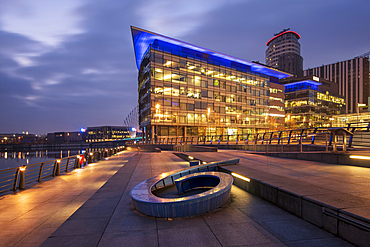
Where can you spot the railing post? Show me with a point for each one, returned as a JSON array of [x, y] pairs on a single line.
[[67, 164], [282, 145], [300, 140], [335, 142], [22, 177], [290, 135], [279, 137], [40, 172], [344, 141], [16, 179], [326, 142], [271, 137], [267, 146], [255, 144]]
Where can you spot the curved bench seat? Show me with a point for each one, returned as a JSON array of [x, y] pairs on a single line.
[[148, 203]]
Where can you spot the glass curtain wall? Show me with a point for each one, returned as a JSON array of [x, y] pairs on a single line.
[[184, 97]]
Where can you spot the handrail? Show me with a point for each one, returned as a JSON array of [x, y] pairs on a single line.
[[279, 135], [17, 177]]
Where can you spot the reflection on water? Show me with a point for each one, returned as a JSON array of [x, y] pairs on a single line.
[[15, 159]]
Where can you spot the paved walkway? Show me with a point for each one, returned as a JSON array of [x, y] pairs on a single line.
[[341, 186], [93, 208], [30, 216], [108, 219]]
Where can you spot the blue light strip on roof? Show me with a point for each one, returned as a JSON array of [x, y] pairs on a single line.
[[305, 81], [142, 39]]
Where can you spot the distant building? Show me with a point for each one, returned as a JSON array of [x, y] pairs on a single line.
[[108, 133], [311, 101], [26, 138], [65, 137], [352, 78], [284, 52], [276, 105]]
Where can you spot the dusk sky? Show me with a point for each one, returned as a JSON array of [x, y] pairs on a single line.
[[67, 64]]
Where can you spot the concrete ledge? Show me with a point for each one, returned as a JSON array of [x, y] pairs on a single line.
[[331, 158], [353, 228], [269, 192], [289, 201]]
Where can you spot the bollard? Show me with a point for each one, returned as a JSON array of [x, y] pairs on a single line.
[[57, 169], [77, 162], [22, 177]]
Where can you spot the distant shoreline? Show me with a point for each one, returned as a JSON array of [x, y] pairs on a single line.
[[59, 146]]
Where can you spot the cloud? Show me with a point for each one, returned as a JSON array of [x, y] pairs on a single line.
[[89, 77]]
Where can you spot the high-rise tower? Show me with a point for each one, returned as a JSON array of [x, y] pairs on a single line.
[[284, 52]]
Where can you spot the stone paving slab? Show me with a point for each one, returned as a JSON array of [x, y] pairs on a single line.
[[240, 223], [29, 217], [77, 211]]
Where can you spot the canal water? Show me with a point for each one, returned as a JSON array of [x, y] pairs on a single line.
[[16, 159]]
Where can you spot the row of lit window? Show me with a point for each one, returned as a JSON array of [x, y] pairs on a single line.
[[193, 66], [192, 118], [179, 77], [328, 97], [197, 93]]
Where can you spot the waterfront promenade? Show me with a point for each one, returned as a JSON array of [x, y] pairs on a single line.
[[93, 207]]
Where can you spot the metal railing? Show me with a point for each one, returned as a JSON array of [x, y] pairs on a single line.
[[316, 135], [12, 179]]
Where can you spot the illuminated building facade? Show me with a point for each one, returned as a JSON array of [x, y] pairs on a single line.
[[276, 116], [352, 78], [186, 90], [107, 133], [284, 52], [311, 102]]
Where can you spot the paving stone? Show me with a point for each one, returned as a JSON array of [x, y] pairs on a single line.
[[145, 238], [72, 241], [189, 236], [242, 234], [82, 226]]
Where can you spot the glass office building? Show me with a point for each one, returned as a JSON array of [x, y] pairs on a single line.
[[186, 91], [311, 101]]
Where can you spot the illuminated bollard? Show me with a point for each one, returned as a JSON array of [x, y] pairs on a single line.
[[22, 177], [57, 168]]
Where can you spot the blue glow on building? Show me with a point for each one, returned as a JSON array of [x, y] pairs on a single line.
[[143, 39], [302, 85]]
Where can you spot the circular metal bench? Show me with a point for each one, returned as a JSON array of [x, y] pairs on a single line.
[[149, 204]]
